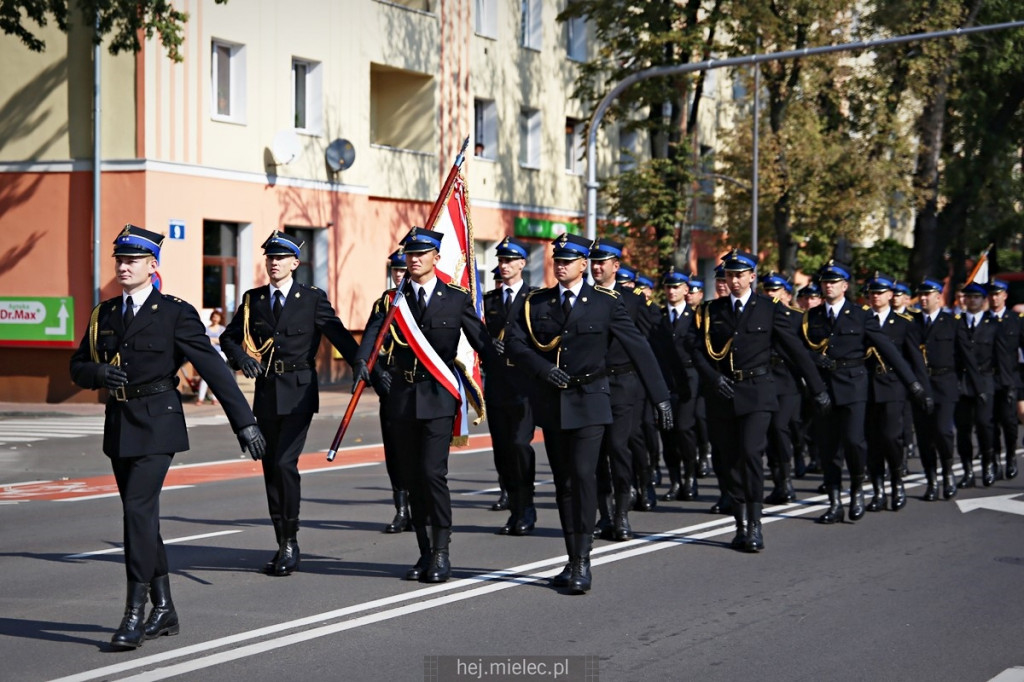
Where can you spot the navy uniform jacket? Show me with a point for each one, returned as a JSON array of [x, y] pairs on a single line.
[[848, 341], [763, 325], [1010, 329], [786, 381], [306, 315], [942, 345], [639, 311], [982, 347], [164, 334], [579, 345], [449, 313], [885, 385], [674, 355], [504, 383]]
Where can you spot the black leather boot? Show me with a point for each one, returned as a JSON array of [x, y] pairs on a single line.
[[704, 462], [783, 492], [722, 506], [834, 513], [502, 503], [675, 477], [603, 527], [740, 539], [647, 499], [278, 522], [402, 520], [689, 491], [856, 498], [163, 619], [621, 530], [799, 465], [1011, 466], [132, 631], [562, 579], [440, 568], [526, 521], [931, 491], [948, 486], [513, 517], [967, 480], [423, 541], [899, 493], [288, 562], [877, 502], [580, 578], [754, 540], [988, 469]]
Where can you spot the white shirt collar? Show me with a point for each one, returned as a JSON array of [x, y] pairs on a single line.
[[680, 308], [836, 307], [998, 315], [428, 288], [284, 289], [575, 291], [514, 288], [742, 299], [138, 298], [882, 315]]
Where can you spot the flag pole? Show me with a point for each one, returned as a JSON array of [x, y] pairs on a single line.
[[393, 309], [981, 261]]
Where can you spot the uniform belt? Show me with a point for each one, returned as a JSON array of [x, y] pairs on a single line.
[[939, 371], [123, 393], [744, 374], [882, 369], [777, 361], [280, 366], [853, 362], [584, 379], [412, 376], [627, 368]]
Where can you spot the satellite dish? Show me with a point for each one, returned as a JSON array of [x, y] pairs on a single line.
[[285, 148], [340, 154]]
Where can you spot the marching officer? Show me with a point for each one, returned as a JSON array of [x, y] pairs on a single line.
[[887, 396], [419, 409], [671, 339], [133, 347], [615, 465], [694, 299], [840, 334], [1007, 378], [784, 428], [506, 389], [274, 338], [724, 503], [983, 348], [562, 338], [806, 448], [732, 343]]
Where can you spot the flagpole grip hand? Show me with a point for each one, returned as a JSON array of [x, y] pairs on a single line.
[[360, 373]]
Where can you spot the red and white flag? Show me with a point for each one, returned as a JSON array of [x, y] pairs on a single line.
[[980, 272]]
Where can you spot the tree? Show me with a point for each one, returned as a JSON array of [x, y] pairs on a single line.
[[123, 21]]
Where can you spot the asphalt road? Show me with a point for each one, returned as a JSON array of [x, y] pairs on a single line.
[[932, 592]]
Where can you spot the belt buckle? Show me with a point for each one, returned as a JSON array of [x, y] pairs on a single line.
[[278, 367], [409, 376], [119, 394], [737, 374]]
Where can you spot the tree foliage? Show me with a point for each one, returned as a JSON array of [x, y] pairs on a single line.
[[121, 21]]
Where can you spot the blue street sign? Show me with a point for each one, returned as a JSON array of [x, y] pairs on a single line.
[[176, 229]]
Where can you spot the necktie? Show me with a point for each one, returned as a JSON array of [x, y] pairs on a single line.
[[878, 319], [567, 303], [278, 305], [421, 299], [673, 316], [970, 323], [129, 311], [508, 300], [927, 321], [831, 316], [739, 307]]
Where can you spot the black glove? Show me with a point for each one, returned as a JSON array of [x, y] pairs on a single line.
[[1011, 396], [983, 398], [360, 373], [558, 377], [251, 439], [921, 397], [499, 346], [725, 387], [824, 361], [250, 367], [382, 382], [112, 377], [663, 415], [823, 403]]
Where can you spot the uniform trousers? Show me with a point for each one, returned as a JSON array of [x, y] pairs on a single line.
[[573, 455], [841, 432], [681, 441], [512, 428], [421, 450], [615, 468], [390, 458], [781, 433], [885, 437], [286, 437], [973, 415], [935, 434], [1006, 424], [741, 440], [139, 480]]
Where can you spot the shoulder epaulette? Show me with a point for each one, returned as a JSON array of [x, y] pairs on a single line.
[[865, 307], [456, 286], [907, 317], [168, 297], [956, 316], [638, 292], [1020, 315], [606, 290]]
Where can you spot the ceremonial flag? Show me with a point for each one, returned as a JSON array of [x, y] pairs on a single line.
[[980, 272]]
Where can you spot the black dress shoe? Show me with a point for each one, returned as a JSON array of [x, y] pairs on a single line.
[[603, 529], [754, 541], [163, 619], [931, 493], [988, 475], [834, 513], [580, 579], [779, 495], [502, 503], [562, 579], [132, 631], [856, 503], [688, 493], [673, 492], [899, 496], [948, 487], [1011, 467], [509, 525], [288, 562], [967, 480], [417, 570], [722, 506], [652, 497], [525, 524], [877, 502], [822, 488], [703, 467]]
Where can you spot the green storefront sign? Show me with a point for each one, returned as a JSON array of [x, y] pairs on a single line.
[[543, 229], [37, 321]]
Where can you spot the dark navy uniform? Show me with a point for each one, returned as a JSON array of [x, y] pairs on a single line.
[[509, 415], [420, 411], [144, 424], [1007, 381], [563, 342], [733, 355], [287, 393]]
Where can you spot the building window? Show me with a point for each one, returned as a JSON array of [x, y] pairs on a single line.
[[574, 145], [418, 5], [627, 149], [532, 28], [228, 81], [577, 39], [485, 18], [485, 129], [529, 138], [220, 265], [403, 110], [306, 96]]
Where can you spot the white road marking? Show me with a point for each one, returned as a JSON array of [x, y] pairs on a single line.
[[494, 490], [173, 541], [1015, 674], [102, 495]]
